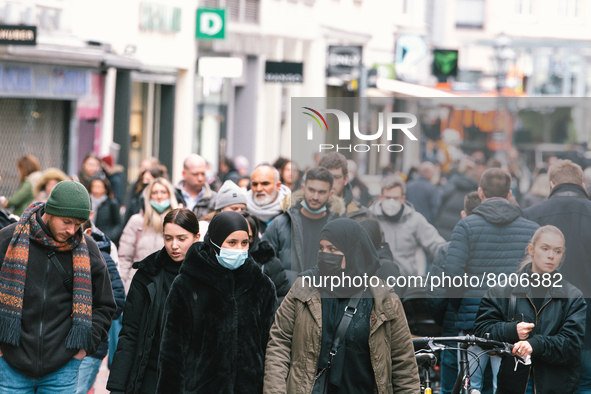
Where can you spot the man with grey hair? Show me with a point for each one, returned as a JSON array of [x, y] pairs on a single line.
[[267, 193], [405, 230], [423, 194], [196, 193]]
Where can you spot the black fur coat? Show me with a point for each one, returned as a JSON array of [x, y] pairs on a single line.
[[216, 327]]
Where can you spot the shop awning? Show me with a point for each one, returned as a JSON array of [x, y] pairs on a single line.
[[400, 88]]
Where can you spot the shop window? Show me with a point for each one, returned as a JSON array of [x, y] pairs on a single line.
[[470, 14], [523, 7], [568, 8], [245, 11]]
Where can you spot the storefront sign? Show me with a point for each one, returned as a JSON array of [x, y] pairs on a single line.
[[43, 81], [343, 59], [445, 62], [18, 35], [286, 72], [211, 24], [410, 48], [220, 67], [160, 17]]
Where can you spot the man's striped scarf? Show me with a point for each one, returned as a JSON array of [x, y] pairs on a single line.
[[13, 277]]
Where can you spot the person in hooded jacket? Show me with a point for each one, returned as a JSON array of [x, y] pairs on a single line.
[[135, 363], [217, 316], [542, 320], [376, 354], [264, 255], [490, 241]]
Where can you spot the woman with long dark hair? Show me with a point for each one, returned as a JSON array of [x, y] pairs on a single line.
[[135, 364], [106, 208], [217, 316], [376, 352]]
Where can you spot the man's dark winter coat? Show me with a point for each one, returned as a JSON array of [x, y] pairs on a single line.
[[143, 312], [203, 206], [569, 209], [425, 198], [216, 327], [264, 256], [437, 299], [104, 245], [556, 339], [452, 203], [47, 307], [279, 233], [490, 241]]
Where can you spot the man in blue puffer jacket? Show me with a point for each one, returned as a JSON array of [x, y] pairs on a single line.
[[91, 364], [491, 241]]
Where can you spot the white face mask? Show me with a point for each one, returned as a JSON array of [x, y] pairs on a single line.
[[391, 207]]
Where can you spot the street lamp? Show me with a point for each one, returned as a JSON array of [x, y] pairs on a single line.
[[504, 56], [503, 60]]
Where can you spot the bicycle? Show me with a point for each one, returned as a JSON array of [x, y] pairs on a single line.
[[426, 349]]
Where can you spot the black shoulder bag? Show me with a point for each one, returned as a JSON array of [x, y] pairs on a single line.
[[321, 382]]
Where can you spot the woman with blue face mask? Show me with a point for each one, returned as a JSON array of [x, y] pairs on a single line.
[[142, 234], [217, 316]]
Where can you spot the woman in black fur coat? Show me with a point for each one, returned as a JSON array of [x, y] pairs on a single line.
[[135, 363], [217, 316]]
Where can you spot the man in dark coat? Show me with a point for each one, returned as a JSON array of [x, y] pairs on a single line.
[[490, 241], [568, 208], [56, 300], [311, 208], [423, 194], [440, 307], [452, 198], [337, 164], [194, 190]]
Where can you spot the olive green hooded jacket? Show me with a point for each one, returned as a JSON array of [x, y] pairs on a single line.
[[295, 340]]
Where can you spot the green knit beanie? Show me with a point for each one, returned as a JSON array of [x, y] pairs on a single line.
[[69, 199]]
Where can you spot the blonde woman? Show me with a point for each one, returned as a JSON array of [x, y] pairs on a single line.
[[142, 234], [539, 191], [543, 316]]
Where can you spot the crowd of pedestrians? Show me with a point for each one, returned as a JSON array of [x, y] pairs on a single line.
[[201, 287]]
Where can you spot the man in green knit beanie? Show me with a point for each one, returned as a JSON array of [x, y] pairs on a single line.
[[56, 299]]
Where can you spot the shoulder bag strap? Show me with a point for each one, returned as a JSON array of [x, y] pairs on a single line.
[[65, 277], [512, 306], [350, 311]]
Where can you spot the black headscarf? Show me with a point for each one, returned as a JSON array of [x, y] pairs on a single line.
[[361, 256], [222, 225], [350, 238]]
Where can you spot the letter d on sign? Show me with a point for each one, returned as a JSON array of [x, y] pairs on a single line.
[[210, 23]]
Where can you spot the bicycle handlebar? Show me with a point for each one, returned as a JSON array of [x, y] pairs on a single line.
[[429, 343]]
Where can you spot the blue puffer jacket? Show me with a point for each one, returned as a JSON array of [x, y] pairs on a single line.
[[491, 240], [104, 244]]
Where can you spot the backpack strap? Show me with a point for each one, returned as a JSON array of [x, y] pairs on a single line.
[[65, 277]]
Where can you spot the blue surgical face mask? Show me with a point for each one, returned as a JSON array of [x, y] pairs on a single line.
[[313, 211], [232, 258], [160, 206]]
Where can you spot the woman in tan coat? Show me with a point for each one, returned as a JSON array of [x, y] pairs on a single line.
[[376, 355], [142, 234]]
